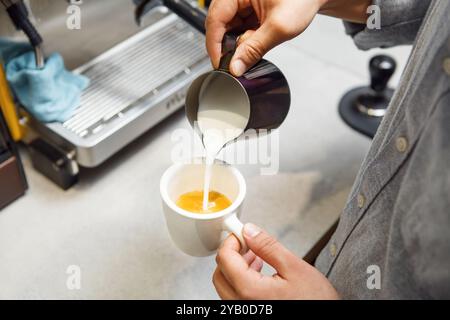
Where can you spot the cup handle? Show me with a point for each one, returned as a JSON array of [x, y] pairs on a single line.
[[235, 226]]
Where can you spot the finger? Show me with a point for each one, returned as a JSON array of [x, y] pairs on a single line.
[[257, 264], [252, 49], [231, 248], [253, 261], [220, 13], [245, 36], [233, 265], [270, 250], [249, 257], [222, 286]]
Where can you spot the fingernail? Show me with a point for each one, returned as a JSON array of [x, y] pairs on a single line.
[[251, 231], [238, 68]]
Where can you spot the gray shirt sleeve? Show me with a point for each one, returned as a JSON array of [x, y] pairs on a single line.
[[400, 22]]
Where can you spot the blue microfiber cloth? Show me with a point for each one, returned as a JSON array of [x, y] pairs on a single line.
[[50, 94]]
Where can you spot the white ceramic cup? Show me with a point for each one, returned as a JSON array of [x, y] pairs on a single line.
[[201, 234]]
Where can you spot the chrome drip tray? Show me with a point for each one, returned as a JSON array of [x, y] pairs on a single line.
[[134, 86]]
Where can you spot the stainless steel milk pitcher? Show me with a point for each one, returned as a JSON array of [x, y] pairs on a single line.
[[264, 90]]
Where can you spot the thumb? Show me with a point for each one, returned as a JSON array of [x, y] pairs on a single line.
[[270, 250], [253, 45]]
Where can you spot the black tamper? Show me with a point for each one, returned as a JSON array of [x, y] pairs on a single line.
[[363, 108]]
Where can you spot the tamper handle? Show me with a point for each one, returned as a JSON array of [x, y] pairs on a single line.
[[381, 69]]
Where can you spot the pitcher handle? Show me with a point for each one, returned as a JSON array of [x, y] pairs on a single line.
[[229, 45]]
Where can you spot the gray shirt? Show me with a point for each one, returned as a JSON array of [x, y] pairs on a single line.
[[393, 238]]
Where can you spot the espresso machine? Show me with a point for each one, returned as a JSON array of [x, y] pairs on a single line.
[[139, 74]]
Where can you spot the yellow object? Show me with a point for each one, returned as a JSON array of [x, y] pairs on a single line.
[[193, 202], [8, 108], [201, 3]]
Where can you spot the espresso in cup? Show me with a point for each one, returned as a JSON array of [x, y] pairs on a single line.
[[194, 231], [193, 202]]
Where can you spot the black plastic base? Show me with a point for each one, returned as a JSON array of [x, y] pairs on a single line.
[[359, 121], [52, 163]]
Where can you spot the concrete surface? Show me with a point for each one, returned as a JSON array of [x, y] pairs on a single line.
[[111, 224]]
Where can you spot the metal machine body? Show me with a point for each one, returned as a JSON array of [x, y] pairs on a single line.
[[139, 75], [135, 85]]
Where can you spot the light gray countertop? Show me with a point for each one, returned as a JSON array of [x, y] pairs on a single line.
[[111, 224]]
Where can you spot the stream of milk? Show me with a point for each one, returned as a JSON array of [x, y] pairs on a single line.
[[223, 115]]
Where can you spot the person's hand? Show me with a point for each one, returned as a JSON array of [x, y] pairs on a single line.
[[264, 24], [239, 276]]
